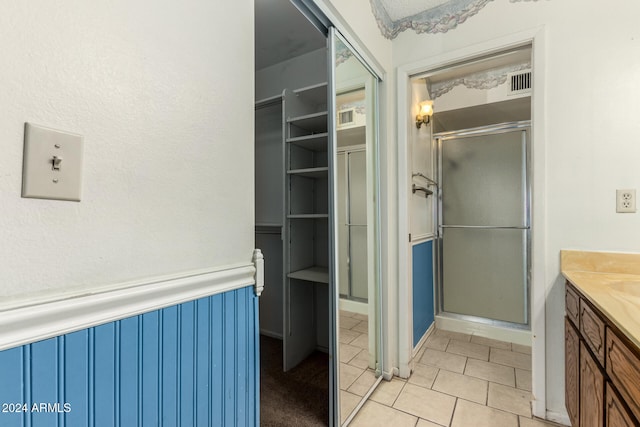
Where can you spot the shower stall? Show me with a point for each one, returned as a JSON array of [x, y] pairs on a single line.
[[352, 220], [484, 224]]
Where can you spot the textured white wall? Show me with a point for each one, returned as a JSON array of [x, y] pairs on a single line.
[[591, 68], [163, 94]]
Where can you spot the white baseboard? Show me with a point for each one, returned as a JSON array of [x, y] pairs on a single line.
[[484, 330], [354, 306], [46, 319]]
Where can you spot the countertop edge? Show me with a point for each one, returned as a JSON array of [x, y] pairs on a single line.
[[593, 299]]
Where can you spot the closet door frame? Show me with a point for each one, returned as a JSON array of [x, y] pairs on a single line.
[[373, 180], [322, 14]]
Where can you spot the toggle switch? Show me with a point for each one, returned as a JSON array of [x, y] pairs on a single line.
[[56, 163], [43, 176]]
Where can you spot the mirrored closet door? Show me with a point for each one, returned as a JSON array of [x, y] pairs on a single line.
[[317, 218], [355, 228]]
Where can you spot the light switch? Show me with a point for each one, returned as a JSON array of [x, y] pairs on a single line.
[[52, 164]]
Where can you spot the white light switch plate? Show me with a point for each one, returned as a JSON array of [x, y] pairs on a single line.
[[40, 178]]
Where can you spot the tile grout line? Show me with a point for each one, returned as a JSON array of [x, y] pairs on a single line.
[[409, 413], [495, 409], [403, 411], [399, 393], [486, 399], [455, 405], [435, 378]]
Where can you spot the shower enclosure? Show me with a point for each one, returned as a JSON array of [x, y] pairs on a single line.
[[484, 224], [352, 220]]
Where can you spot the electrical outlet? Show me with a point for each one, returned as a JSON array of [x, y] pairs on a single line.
[[625, 201]]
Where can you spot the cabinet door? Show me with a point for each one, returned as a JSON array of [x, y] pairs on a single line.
[[623, 368], [591, 390], [616, 415], [572, 372]]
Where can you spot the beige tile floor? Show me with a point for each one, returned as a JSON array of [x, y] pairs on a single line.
[[459, 380], [355, 377]]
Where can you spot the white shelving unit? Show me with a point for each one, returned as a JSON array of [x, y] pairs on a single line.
[[308, 216], [306, 227], [313, 274]]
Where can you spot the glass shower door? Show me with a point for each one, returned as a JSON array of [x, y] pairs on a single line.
[[352, 223], [485, 223]]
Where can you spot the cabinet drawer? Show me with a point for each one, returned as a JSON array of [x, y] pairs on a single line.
[[615, 414], [623, 367], [572, 305], [592, 330]]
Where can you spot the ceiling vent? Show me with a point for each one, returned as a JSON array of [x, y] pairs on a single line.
[[346, 117], [519, 83]]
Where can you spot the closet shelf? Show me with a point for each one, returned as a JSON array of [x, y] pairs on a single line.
[[312, 274], [314, 142], [312, 123], [307, 216], [268, 229], [316, 94], [320, 172], [268, 101]]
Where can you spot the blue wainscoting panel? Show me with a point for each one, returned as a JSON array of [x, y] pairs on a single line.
[[194, 364], [423, 307]]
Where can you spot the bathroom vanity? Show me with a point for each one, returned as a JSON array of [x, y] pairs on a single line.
[[602, 338]]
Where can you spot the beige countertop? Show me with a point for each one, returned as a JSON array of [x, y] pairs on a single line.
[[611, 282]]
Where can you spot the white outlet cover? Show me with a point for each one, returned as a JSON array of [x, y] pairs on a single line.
[[626, 201], [39, 178]]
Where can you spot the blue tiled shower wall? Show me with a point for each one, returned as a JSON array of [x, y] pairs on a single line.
[[423, 307], [193, 364]]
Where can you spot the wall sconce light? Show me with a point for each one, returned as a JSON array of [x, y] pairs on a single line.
[[425, 113]]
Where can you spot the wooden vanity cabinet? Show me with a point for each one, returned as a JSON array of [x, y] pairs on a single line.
[[602, 368], [572, 372]]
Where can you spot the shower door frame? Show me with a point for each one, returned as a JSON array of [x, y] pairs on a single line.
[[347, 151], [506, 127]]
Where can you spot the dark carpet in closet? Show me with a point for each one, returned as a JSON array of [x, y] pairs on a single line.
[[299, 397]]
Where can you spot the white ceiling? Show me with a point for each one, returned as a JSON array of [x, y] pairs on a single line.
[[398, 9], [282, 32]]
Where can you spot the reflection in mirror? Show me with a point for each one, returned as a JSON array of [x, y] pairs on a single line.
[[358, 314]]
